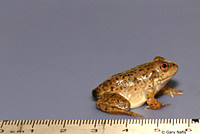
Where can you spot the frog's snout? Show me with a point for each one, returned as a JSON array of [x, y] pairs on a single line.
[[175, 65]]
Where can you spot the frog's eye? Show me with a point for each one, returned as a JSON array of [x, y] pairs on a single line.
[[164, 66]]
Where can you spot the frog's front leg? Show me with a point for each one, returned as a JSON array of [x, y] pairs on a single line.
[[115, 104], [170, 91], [152, 102]]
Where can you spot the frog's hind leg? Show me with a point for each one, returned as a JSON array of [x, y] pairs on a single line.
[[115, 104]]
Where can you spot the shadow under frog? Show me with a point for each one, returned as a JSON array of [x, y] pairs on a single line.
[[136, 86], [173, 83]]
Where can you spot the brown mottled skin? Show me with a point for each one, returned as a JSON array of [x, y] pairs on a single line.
[[133, 87]]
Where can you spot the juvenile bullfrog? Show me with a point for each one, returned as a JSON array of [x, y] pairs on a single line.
[[136, 86]]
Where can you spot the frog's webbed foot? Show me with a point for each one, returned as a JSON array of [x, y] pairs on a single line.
[[170, 91], [156, 106], [154, 103], [115, 104]]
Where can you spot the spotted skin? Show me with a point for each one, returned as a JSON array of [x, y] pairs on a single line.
[[136, 86]]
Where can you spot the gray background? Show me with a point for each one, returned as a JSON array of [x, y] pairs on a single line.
[[53, 53]]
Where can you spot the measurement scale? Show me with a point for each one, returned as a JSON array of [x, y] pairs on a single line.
[[104, 126]]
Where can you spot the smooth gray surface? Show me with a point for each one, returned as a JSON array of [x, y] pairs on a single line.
[[53, 53]]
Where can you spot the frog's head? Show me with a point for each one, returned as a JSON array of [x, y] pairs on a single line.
[[164, 71]]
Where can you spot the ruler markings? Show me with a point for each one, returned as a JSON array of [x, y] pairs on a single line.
[[56, 122], [14, 122], [67, 122], [113, 122], [36, 122], [124, 123], [80, 122], [64, 123], [49, 122], [39, 122], [104, 122], [157, 122], [83, 122], [24, 122], [116, 121], [72, 122], [32, 121], [92, 121], [173, 122], [53, 122], [189, 122], [18, 122], [8, 123], [76, 122], [95, 123], [29, 122], [59, 122], [100, 122], [2, 124]]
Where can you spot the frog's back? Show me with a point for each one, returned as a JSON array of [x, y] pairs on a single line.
[[125, 82]]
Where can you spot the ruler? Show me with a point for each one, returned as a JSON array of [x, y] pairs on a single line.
[[104, 126]]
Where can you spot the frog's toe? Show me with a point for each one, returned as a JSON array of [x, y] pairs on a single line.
[[176, 92], [161, 106], [180, 92], [134, 114], [147, 107], [171, 94], [165, 105]]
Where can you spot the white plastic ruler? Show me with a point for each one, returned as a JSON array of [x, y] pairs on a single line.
[[113, 126]]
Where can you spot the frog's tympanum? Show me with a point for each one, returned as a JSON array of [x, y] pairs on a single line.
[[136, 86]]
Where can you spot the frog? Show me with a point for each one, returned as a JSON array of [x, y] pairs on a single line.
[[136, 86]]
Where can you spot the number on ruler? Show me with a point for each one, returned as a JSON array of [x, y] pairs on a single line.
[[94, 130], [63, 130]]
